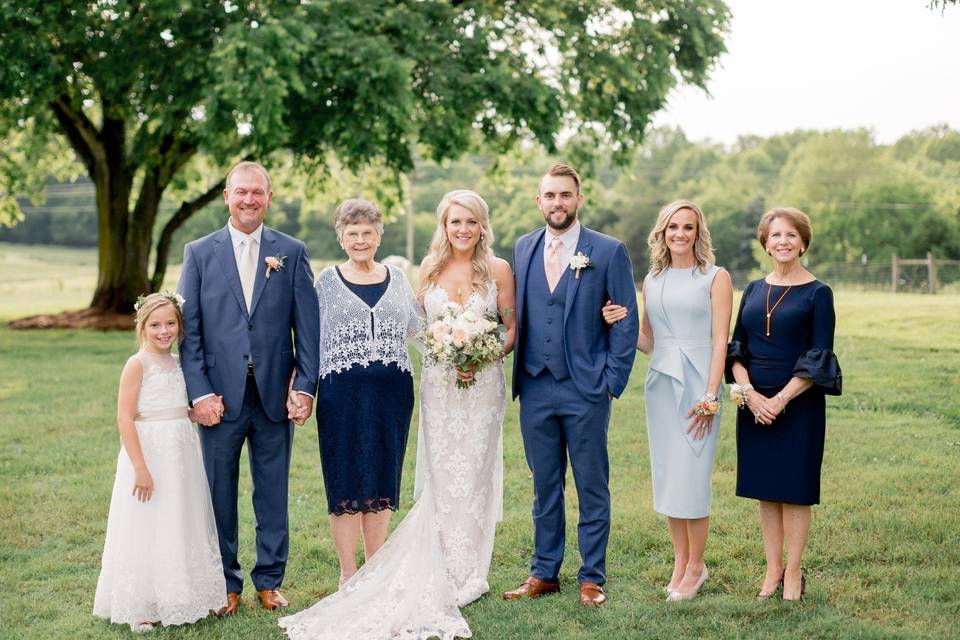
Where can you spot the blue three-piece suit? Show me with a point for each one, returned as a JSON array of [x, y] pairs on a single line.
[[567, 366]]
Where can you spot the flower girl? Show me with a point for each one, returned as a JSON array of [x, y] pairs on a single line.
[[161, 563]]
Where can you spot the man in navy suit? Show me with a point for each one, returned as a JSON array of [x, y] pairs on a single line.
[[251, 320], [567, 367]]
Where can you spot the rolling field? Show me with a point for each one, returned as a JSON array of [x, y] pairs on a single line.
[[882, 562]]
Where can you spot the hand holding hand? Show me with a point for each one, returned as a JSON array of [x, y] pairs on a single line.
[[299, 407], [142, 484], [293, 405], [756, 403], [306, 408], [209, 411], [775, 405], [613, 312]]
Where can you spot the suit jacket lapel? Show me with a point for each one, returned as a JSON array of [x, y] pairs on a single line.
[[573, 282], [267, 248], [524, 257], [228, 261]]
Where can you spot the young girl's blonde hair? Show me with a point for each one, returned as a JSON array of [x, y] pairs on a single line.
[[440, 253], [151, 302]]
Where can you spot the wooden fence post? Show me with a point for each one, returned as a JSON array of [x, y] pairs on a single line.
[[931, 272], [894, 273]]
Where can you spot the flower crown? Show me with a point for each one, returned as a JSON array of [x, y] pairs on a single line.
[[172, 296]]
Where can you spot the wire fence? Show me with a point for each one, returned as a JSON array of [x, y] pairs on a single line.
[[897, 275]]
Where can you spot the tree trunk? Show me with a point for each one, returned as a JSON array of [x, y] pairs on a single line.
[[123, 254], [125, 237]]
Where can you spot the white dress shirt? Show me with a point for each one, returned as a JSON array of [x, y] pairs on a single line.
[[237, 237]]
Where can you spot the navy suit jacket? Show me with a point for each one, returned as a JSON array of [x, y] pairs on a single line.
[[282, 329], [599, 356]]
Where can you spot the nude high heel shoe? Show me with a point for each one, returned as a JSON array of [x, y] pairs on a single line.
[[679, 596]]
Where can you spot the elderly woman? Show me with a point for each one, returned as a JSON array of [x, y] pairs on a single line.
[[781, 358], [365, 399]]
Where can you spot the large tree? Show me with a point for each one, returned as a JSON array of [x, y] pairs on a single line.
[[139, 89]]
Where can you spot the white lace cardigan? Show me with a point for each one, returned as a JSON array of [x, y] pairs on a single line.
[[353, 333]]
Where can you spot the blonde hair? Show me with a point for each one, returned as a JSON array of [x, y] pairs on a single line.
[[440, 253], [797, 219], [150, 303], [657, 240]]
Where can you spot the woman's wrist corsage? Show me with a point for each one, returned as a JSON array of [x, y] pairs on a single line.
[[738, 393], [709, 405]]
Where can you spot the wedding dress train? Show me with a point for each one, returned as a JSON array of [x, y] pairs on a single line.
[[438, 557]]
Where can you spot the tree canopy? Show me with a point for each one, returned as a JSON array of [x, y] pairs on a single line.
[[141, 91]]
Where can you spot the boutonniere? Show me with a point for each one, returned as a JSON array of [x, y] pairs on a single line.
[[580, 262], [274, 263]]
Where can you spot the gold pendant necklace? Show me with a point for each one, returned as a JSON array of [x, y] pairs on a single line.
[[770, 309]]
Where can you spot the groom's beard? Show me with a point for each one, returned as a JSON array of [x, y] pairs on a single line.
[[565, 223]]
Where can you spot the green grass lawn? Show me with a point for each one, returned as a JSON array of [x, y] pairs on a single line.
[[882, 561]]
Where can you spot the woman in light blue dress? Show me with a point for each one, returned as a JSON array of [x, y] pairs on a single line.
[[686, 319]]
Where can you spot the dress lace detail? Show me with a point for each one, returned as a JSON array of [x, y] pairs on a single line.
[[347, 335], [439, 556], [161, 559]]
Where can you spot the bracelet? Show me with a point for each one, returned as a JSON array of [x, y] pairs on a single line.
[[784, 400], [706, 406], [738, 393]]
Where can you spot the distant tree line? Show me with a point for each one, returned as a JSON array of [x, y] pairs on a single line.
[[868, 201]]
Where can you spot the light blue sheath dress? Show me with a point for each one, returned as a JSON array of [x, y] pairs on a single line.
[[680, 313]]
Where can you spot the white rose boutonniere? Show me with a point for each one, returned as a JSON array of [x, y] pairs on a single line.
[[274, 263], [580, 262]]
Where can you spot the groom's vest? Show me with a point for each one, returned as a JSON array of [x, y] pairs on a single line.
[[542, 328]]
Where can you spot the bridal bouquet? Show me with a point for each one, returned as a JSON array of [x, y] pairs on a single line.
[[463, 340]]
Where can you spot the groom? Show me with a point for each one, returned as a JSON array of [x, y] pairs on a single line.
[[249, 302], [567, 367]]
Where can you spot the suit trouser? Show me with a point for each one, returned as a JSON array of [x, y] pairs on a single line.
[[556, 421], [269, 446]]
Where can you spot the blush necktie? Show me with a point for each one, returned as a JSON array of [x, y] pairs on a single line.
[[553, 264], [247, 266]]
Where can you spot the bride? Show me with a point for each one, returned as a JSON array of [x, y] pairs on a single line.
[[438, 557]]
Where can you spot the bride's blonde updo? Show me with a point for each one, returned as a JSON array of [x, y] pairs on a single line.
[[440, 252]]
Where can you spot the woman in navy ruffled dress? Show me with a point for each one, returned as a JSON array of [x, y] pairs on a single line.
[[781, 359]]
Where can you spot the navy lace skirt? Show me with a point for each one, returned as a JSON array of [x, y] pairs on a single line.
[[363, 419]]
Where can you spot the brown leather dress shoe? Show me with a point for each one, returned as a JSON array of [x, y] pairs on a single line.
[[533, 587], [233, 604], [272, 599], [591, 594]]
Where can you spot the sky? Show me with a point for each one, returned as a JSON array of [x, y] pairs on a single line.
[[891, 66]]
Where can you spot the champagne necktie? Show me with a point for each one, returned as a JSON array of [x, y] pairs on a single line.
[[553, 264], [248, 269]]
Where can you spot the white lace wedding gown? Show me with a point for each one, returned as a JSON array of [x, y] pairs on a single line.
[[161, 559], [438, 557]]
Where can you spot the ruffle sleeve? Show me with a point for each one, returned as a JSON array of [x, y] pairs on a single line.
[[822, 367], [736, 352]]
